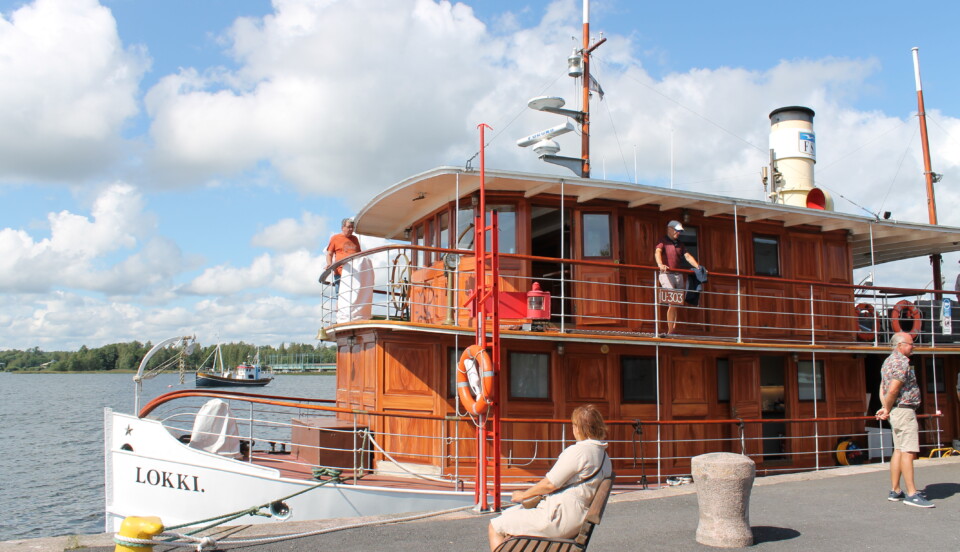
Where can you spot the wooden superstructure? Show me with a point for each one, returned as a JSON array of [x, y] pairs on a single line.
[[774, 337]]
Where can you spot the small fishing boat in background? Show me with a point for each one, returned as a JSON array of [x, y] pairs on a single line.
[[245, 374]]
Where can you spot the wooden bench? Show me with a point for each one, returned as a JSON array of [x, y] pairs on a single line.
[[525, 543]]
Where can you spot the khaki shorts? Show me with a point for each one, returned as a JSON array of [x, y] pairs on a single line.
[[672, 280], [906, 436]]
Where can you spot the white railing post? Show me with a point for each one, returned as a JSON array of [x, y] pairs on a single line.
[[813, 326], [656, 306], [736, 246]]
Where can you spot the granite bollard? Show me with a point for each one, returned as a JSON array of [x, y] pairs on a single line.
[[724, 481]]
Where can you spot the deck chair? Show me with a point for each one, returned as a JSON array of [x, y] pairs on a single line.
[[525, 543]]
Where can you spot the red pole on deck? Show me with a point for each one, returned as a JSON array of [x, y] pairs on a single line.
[[488, 428]]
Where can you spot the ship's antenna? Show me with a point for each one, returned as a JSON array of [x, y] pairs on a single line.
[[935, 259], [578, 66]]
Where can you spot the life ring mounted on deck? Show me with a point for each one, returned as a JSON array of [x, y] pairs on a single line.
[[475, 380], [866, 322], [848, 453], [905, 310]]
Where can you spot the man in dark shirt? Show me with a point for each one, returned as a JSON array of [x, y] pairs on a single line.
[[668, 253]]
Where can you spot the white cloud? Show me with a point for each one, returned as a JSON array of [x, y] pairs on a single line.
[[68, 86], [289, 234], [226, 280], [330, 121], [347, 122], [71, 256]]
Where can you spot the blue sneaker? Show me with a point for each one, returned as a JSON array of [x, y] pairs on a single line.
[[918, 500], [895, 496]]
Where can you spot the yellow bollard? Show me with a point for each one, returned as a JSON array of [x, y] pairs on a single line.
[[134, 527]]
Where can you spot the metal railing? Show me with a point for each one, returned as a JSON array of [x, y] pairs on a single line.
[[411, 283], [643, 451]]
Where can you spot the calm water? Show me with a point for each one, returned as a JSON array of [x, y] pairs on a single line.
[[51, 444]]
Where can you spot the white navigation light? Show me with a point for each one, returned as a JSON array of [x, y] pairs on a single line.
[[547, 134]]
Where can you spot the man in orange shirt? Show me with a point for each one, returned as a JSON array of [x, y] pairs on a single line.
[[341, 246]]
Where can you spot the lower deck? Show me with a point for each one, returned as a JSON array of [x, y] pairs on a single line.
[[665, 400]]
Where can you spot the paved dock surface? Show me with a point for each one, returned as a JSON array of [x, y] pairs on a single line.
[[838, 509]]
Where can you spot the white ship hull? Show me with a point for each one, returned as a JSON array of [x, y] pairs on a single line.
[[163, 477]]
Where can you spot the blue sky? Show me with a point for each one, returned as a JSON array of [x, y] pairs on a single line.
[[178, 166]]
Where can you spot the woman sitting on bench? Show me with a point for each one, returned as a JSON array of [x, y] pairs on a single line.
[[567, 489]]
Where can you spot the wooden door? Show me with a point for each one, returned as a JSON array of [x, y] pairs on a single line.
[[689, 398], [745, 400], [597, 287], [639, 237]]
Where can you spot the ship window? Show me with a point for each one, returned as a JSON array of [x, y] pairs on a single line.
[[766, 256], [507, 223], [639, 379], [529, 375], [934, 374], [443, 230], [596, 235], [690, 242], [465, 222], [723, 380], [809, 380], [428, 241], [453, 357], [418, 254]]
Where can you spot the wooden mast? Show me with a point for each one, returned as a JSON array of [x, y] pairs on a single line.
[[935, 259]]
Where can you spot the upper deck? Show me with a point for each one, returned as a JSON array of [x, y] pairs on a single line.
[[780, 276]]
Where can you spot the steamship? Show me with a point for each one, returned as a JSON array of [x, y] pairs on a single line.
[[552, 280]]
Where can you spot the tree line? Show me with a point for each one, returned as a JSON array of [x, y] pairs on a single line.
[[127, 356]]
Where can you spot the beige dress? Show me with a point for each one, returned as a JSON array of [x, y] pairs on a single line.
[[560, 515]]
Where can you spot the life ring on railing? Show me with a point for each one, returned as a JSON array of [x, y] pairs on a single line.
[[848, 453], [866, 313], [475, 380], [904, 310]]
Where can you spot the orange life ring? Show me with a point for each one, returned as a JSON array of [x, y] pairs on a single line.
[[866, 310], [905, 309], [475, 380]]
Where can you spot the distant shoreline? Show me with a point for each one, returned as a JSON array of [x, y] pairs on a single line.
[[54, 372]]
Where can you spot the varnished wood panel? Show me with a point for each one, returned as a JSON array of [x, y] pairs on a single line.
[[584, 378], [409, 370], [721, 255], [745, 399], [427, 295], [689, 441], [837, 262], [598, 295], [803, 262], [846, 385], [767, 306], [719, 303], [402, 438], [639, 237], [689, 384], [530, 446], [639, 299]]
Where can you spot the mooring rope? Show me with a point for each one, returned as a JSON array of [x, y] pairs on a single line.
[[207, 543], [255, 510]]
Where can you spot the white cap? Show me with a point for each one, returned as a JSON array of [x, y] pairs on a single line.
[[675, 224]]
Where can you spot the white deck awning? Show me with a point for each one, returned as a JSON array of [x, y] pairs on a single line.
[[392, 211]]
